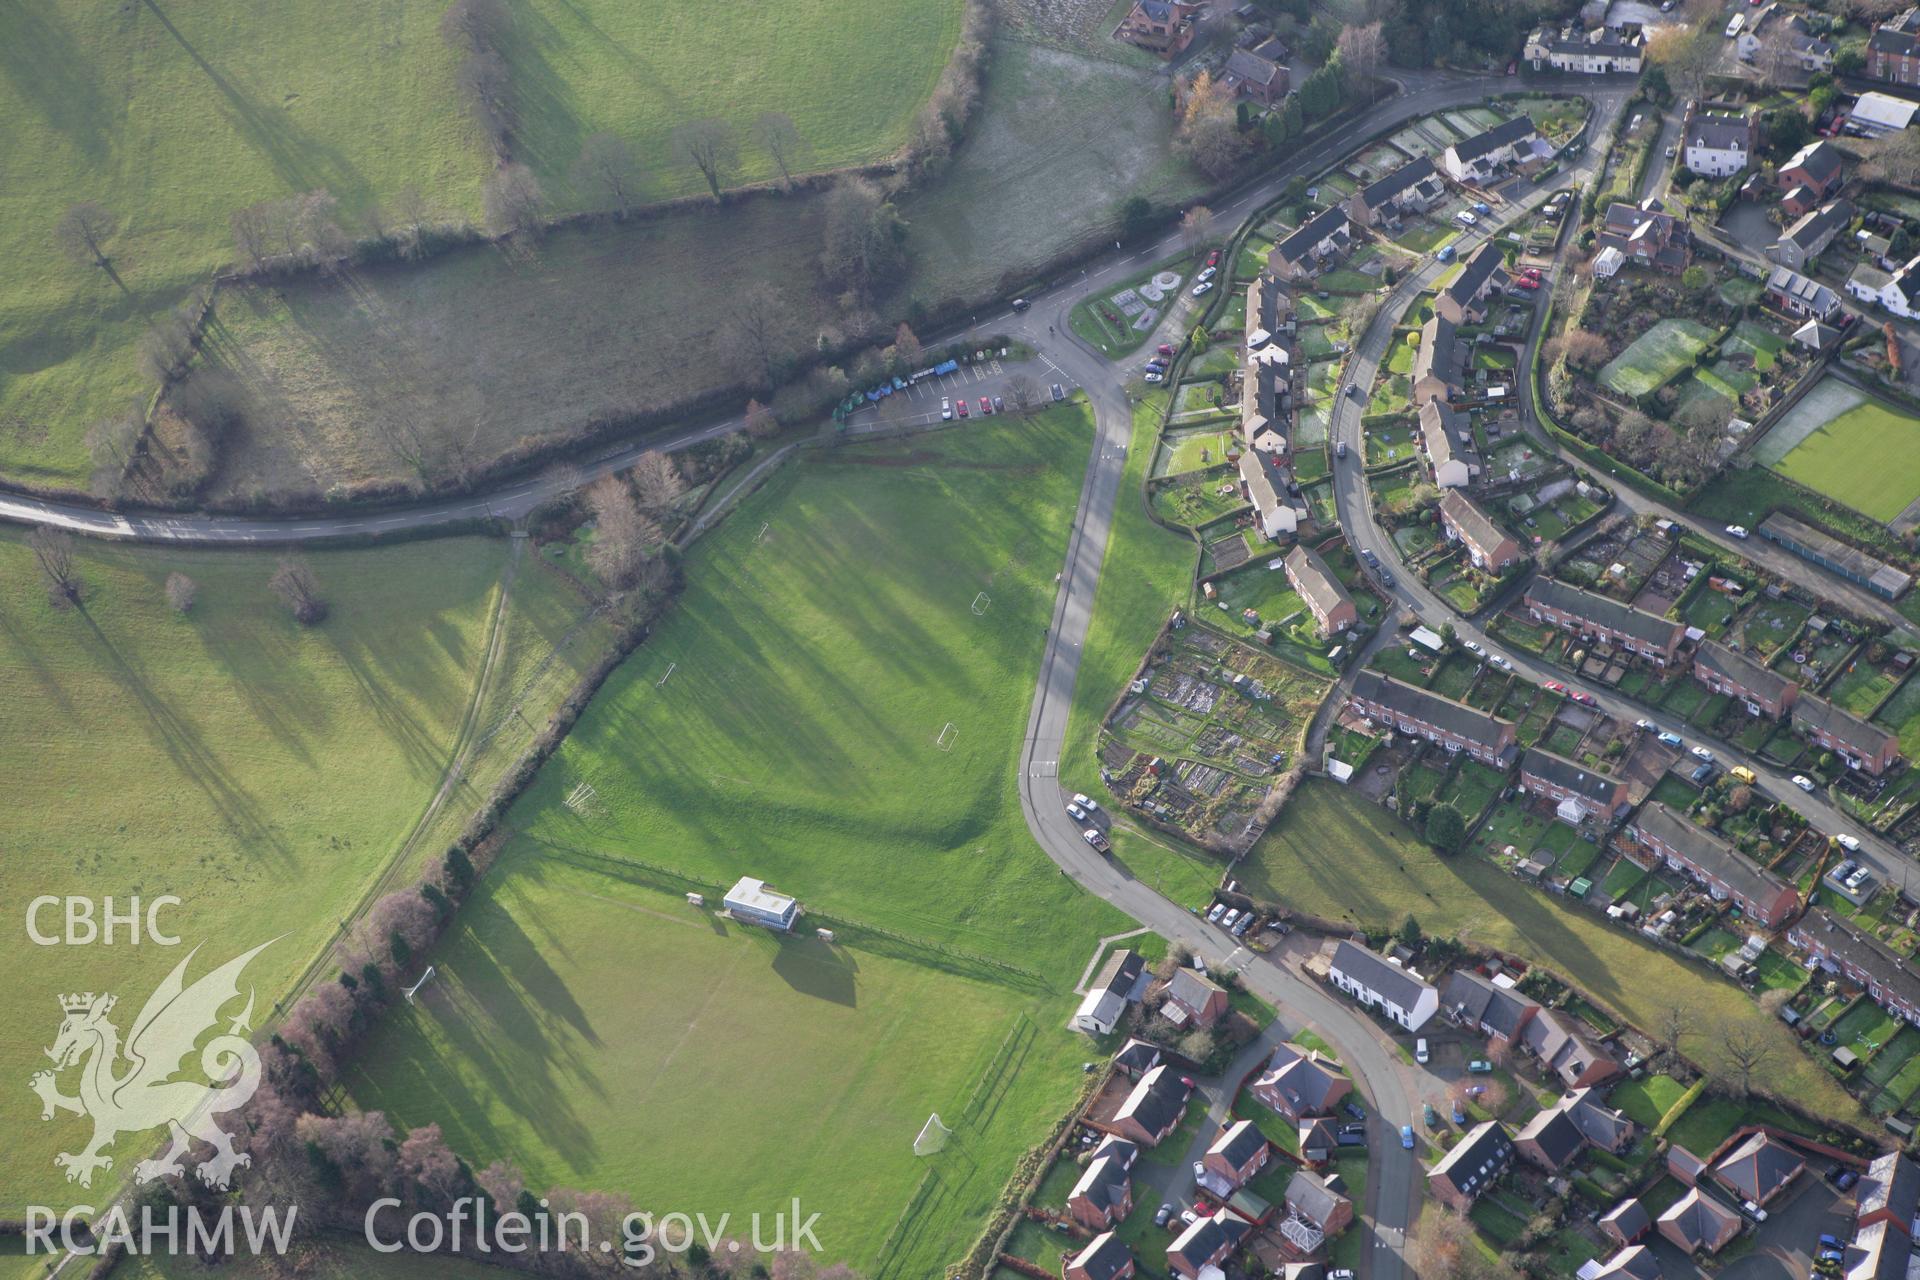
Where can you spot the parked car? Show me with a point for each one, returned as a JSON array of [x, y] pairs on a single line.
[[1085, 801], [1213, 259], [1165, 349], [1701, 753], [1473, 646], [1353, 392], [1803, 782], [1340, 449], [1208, 274], [1340, 1273], [1501, 661], [1554, 686], [1743, 773], [1480, 207], [1059, 392], [946, 408], [1202, 289], [1480, 1067], [1406, 1136], [1386, 576], [999, 405], [1736, 531], [1584, 698], [1672, 739], [1753, 1211], [1199, 1170], [986, 406], [1075, 812], [1355, 1110], [1098, 841], [1850, 843], [1162, 1214], [1228, 920], [1526, 282], [1643, 725], [962, 407], [1831, 1241], [1445, 254], [1152, 379], [1246, 923], [1156, 365], [1367, 554], [1429, 1116], [1219, 909], [1420, 1054]]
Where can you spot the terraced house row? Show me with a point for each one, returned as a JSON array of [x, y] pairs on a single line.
[[1727, 874], [1454, 726]]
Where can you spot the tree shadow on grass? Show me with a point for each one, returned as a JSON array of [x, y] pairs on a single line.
[[47, 67], [817, 968]]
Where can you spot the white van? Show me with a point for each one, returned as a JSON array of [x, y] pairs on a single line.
[[1420, 1051]]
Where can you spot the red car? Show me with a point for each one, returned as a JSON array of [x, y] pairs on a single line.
[[1165, 348], [1532, 273], [961, 405], [986, 406], [1526, 282], [1213, 259], [1584, 699], [1554, 686]]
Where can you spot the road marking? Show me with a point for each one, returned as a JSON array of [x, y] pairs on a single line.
[[1044, 769]]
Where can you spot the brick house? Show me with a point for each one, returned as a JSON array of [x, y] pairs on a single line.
[[1206, 1242], [1550, 1140], [1490, 548], [1798, 295], [1569, 608], [1572, 786], [1820, 166], [1104, 1258], [1759, 1168], [1889, 1192], [1256, 78], [1300, 1085], [1836, 946], [1764, 691], [1104, 1195], [1566, 1051], [1475, 1163], [1199, 1000], [1237, 1154], [1647, 235], [1728, 875], [1454, 725], [1863, 746], [1137, 1057], [1699, 1224], [1314, 1202], [1627, 1221], [1153, 1109], [1163, 27], [1496, 1012], [1893, 50], [1332, 608]]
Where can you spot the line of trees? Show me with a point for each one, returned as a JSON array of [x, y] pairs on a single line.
[[478, 31]]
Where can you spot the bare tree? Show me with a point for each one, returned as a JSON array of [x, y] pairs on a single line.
[[53, 552], [657, 479], [111, 442], [1745, 1050], [1688, 50], [622, 533], [1673, 1025], [486, 86], [293, 581], [760, 421], [1023, 393], [756, 328], [906, 346], [83, 232], [182, 591], [780, 139], [865, 236], [251, 228], [1196, 226], [1584, 348], [1361, 50], [607, 168], [1446, 1248], [708, 145], [476, 25], [411, 214], [167, 344], [513, 200]]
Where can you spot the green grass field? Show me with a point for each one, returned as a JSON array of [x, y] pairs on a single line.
[[314, 1260], [261, 772], [175, 115], [815, 670], [1383, 873], [599, 1032], [1868, 458], [1655, 356]]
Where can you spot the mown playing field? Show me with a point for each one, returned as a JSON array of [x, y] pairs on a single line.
[[1655, 356], [174, 115], [1868, 457], [1333, 854], [262, 773], [826, 639], [783, 721], [599, 1032]]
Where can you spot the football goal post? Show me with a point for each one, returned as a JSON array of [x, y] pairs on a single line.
[[981, 603], [933, 1136], [416, 986]]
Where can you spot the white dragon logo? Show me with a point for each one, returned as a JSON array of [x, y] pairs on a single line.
[[145, 1095]]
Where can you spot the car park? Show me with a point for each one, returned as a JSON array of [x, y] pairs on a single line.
[[1803, 782], [1202, 289], [1059, 392], [1737, 531], [946, 408]]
